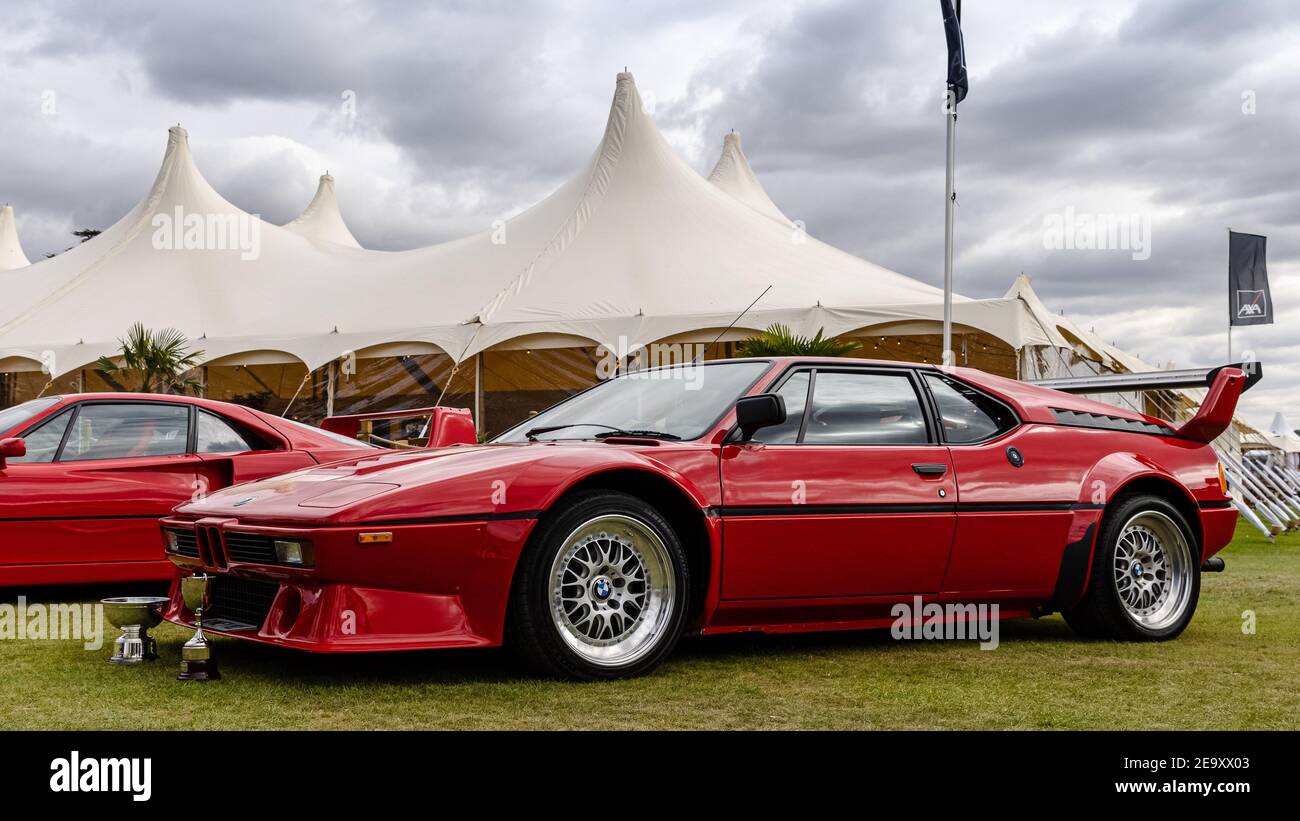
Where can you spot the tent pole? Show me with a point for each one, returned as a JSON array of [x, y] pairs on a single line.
[[478, 393], [329, 387], [949, 201]]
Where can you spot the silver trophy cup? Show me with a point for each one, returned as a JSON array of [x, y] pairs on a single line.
[[134, 615], [197, 661]]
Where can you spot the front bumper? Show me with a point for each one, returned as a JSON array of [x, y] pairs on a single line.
[[437, 584]]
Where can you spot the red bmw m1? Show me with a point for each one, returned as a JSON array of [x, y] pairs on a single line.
[[743, 495]]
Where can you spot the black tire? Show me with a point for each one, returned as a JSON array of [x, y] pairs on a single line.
[[533, 632], [1102, 612]]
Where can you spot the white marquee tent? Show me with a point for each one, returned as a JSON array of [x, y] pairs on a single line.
[[638, 248]]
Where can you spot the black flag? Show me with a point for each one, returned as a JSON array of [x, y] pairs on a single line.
[[1249, 300], [956, 52]]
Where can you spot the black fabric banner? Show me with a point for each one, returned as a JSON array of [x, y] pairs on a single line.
[[1249, 299], [957, 80]]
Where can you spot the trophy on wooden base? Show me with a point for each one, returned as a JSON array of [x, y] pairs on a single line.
[[135, 615], [197, 661]]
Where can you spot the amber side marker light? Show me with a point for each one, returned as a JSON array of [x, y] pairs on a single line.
[[1223, 480], [384, 537]]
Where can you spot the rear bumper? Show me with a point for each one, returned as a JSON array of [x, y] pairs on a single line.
[[443, 584]]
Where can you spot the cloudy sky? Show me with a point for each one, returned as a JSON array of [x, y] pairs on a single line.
[[1180, 116]]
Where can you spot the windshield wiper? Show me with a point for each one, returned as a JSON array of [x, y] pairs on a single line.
[[533, 433], [639, 434]]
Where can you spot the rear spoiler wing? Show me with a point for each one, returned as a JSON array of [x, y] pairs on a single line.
[[1150, 380], [435, 427], [1215, 414], [1225, 385]]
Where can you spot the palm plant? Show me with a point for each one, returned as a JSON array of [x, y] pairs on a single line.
[[160, 357], [779, 340]]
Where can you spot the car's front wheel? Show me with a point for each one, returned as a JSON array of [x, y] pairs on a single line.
[[601, 590], [1146, 575]]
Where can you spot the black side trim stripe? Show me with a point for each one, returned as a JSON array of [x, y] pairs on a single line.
[[1027, 506], [1215, 505], [922, 507]]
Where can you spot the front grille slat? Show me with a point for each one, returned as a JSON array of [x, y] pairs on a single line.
[[244, 601], [216, 547], [187, 544], [250, 547]]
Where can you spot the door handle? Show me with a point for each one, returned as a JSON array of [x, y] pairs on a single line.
[[924, 469]]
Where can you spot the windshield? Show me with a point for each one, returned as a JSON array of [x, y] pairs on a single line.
[[11, 418], [681, 402]]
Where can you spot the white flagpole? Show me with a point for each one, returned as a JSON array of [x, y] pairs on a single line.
[[950, 197]]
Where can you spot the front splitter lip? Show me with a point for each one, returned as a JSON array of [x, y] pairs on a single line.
[[369, 644]]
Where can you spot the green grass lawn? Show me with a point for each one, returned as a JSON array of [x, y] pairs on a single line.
[[1040, 676]]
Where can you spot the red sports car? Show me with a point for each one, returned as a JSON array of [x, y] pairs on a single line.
[[773, 495], [85, 478]]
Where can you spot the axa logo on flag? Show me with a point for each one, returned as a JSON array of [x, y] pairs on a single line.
[[125, 775], [1251, 304]]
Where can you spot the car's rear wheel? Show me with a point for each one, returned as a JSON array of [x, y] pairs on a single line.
[[601, 591], [1146, 575]]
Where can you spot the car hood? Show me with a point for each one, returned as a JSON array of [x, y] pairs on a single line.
[[459, 481]]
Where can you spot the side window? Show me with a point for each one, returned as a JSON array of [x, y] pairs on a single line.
[[124, 431], [795, 393], [216, 435], [966, 414], [43, 443], [865, 409]]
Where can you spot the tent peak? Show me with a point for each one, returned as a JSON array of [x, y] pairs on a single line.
[[11, 250], [733, 174], [322, 220]]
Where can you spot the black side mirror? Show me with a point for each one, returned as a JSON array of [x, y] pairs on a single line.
[[756, 412]]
